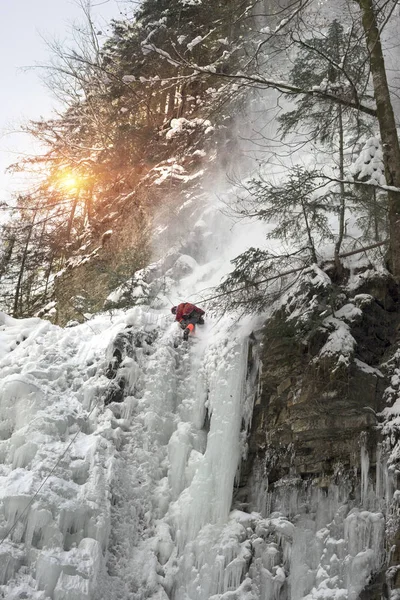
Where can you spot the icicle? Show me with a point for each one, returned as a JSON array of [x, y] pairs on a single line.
[[179, 447], [234, 573], [378, 485], [209, 496], [388, 479], [364, 469]]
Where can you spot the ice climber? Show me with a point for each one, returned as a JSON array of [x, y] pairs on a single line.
[[188, 315]]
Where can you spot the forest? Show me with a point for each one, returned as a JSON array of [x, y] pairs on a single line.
[[199, 309], [172, 91]]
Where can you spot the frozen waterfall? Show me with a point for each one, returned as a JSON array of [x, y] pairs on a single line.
[[134, 500]]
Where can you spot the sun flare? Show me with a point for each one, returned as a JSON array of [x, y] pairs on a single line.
[[69, 182]]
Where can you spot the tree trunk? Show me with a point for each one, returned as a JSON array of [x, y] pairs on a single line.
[[47, 278], [89, 205], [387, 127], [17, 296], [5, 259], [71, 219], [171, 104], [182, 101], [342, 207], [309, 236], [376, 221]]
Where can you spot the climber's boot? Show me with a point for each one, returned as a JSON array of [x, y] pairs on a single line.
[[189, 329]]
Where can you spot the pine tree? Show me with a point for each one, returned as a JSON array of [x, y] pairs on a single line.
[[293, 207], [337, 62]]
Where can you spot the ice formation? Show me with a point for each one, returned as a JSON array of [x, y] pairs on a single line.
[[133, 500]]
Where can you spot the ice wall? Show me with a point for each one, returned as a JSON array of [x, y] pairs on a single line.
[[99, 501], [105, 500]]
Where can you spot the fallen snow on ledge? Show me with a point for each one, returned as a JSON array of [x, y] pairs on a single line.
[[340, 342]]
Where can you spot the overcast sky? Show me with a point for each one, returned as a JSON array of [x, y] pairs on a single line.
[[23, 24]]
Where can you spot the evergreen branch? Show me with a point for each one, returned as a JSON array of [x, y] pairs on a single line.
[[282, 86], [290, 272], [334, 64], [357, 182]]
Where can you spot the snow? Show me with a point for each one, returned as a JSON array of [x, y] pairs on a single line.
[[340, 342], [167, 473], [177, 126], [173, 172], [65, 457], [367, 369], [133, 500], [348, 312], [197, 40], [369, 164]]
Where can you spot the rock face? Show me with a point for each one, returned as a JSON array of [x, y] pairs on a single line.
[[127, 345], [316, 426]]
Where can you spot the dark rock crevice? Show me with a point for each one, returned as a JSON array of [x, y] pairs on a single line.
[[127, 344]]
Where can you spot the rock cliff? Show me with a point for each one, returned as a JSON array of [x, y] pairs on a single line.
[[319, 451]]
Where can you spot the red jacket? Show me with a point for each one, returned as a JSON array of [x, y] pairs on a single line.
[[185, 309]]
